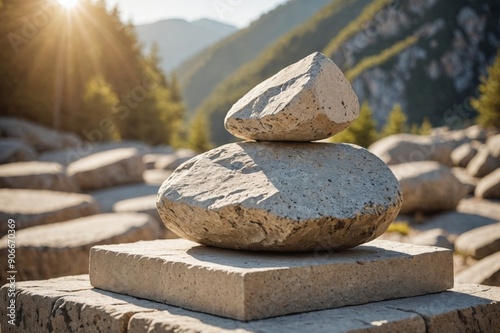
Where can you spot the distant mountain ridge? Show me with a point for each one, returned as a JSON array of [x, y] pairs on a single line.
[[200, 74], [426, 55], [179, 39]]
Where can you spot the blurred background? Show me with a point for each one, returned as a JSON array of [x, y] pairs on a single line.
[[166, 72], [101, 100]]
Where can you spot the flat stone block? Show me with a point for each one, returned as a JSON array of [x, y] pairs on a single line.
[[70, 304], [248, 285]]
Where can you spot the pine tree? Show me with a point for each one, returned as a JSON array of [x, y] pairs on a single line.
[[199, 136], [362, 132], [426, 127], [488, 103], [99, 99], [396, 122]]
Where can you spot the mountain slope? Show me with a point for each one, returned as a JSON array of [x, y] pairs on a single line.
[[425, 55], [200, 74], [178, 39]]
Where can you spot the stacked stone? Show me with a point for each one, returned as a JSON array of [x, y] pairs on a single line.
[[281, 191]]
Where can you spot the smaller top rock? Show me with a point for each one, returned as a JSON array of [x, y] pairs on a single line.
[[307, 101]]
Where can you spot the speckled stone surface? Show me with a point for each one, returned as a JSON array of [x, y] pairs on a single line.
[[70, 304], [281, 197], [247, 285], [306, 101]]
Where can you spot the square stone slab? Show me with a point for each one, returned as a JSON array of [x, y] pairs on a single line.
[[253, 285]]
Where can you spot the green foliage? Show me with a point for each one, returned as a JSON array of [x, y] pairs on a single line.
[[83, 71], [99, 100], [362, 132], [356, 25], [396, 122], [426, 127], [376, 60], [488, 103], [199, 135]]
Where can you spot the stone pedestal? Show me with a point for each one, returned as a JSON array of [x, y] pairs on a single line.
[[70, 304], [253, 285]]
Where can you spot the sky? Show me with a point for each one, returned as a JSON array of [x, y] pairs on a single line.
[[236, 12]]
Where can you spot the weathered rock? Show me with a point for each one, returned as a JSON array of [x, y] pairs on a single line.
[[493, 145], [106, 169], [173, 161], [70, 304], [249, 285], [15, 150], [486, 271], [36, 175], [63, 248], [108, 197], [463, 154], [69, 155], [466, 179], [307, 101], [480, 242], [281, 197], [156, 177], [489, 186], [39, 137], [428, 187], [433, 237], [162, 149], [455, 223], [35, 207], [483, 163]]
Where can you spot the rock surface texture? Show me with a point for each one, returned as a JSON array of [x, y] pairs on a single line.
[[281, 196], [249, 285], [71, 304], [108, 168], [428, 187], [63, 248], [306, 101], [36, 175]]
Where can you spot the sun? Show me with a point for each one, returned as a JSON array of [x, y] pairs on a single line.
[[68, 3]]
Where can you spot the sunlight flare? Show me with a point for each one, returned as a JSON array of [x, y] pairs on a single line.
[[68, 3]]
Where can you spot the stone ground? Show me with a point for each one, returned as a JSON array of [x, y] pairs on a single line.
[[70, 304]]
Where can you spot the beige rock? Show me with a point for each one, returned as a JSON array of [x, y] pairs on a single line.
[[493, 145], [466, 179], [15, 150], [463, 154], [483, 163], [480, 242], [109, 168], [486, 271], [108, 197], [39, 137], [434, 237], [248, 285], [281, 197], [156, 177], [35, 207], [173, 161], [428, 187], [307, 101], [70, 304], [63, 248], [36, 175], [489, 186]]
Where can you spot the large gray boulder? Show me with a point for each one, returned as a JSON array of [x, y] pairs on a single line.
[[36, 175], [489, 186], [30, 208], [306, 101], [281, 197], [428, 187], [108, 168], [39, 137], [15, 150]]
